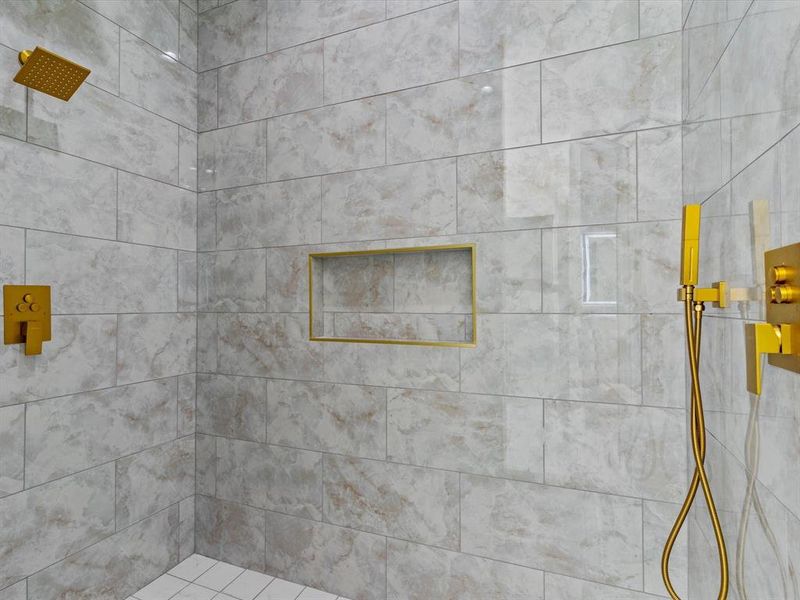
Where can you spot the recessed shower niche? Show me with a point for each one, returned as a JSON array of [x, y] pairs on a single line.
[[417, 295]]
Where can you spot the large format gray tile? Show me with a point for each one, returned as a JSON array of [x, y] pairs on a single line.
[[186, 527], [18, 591], [187, 404], [47, 523], [86, 199], [65, 435], [122, 135], [405, 502], [187, 281], [559, 587], [155, 21], [230, 532], [325, 556], [12, 449], [659, 173], [280, 82], [207, 100], [232, 156], [620, 88], [12, 256], [501, 34], [232, 32], [187, 45], [232, 281], [120, 564], [345, 419], [206, 464], [232, 406], [554, 529], [399, 53], [154, 479], [13, 98], [90, 275]]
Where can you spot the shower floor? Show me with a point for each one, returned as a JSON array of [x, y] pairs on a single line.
[[202, 578]]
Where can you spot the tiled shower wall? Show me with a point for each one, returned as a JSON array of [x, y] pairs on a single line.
[[741, 153], [546, 462], [98, 199]]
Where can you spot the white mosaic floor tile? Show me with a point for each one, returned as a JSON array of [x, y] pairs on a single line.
[[219, 576], [194, 566]]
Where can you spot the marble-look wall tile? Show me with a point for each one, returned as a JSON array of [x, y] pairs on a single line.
[[232, 156], [627, 450], [24, 23], [207, 221], [187, 163], [187, 46], [18, 591], [12, 449], [334, 138], [488, 435], [47, 523], [157, 82], [120, 564], [659, 16], [187, 404], [13, 103], [572, 183], [207, 342], [90, 275], [508, 33], [155, 22], [276, 214], [399, 53], [150, 212], [273, 345], [232, 406], [555, 529], [12, 256], [152, 480], [344, 419], [293, 22], [66, 435], [122, 135], [187, 281], [620, 88], [400, 201], [232, 281], [396, 8], [406, 502], [207, 100], [206, 464], [659, 174], [663, 361], [340, 560], [558, 587], [230, 532], [472, 114], [232, 32], [85, 204], [186, 528], [80, 357], [277, 83], [418, 572], [204, 5]]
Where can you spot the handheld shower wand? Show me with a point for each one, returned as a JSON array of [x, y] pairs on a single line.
[[694, 304]]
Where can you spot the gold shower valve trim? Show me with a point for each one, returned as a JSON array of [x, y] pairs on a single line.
[[27, 316]]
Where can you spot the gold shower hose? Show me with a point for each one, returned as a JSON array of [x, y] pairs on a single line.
[[694, 318]]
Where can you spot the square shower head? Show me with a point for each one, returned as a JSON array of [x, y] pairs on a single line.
[[50, 73]]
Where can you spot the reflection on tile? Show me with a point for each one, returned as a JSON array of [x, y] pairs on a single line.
[[400, 53], [155, 22], [12, 98], [405, 502], [232, 406], [508, 33], [12, 449], [85, 204], [31, 535], [231, 33], [230, 532], [418, 572], [482, 112], [572, 183], [489, 435], [334, 558], [65, 435], [274, 84], [155, 346], [620, 88], [345, 419], [554, 529], [232, 281], [232, 156]]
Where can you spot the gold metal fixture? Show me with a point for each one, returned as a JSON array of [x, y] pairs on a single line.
[[312, 318], [27, 316], [779, 337], [50, 73], [694, 304]]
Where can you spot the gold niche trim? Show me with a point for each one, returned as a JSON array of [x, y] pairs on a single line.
[[406, 250]]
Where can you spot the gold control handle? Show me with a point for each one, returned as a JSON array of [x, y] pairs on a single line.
[[760, 338], [26, 316]]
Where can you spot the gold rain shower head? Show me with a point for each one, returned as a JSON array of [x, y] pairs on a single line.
[[50, 73]]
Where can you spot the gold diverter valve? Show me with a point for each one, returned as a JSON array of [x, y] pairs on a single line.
[[26, 310]]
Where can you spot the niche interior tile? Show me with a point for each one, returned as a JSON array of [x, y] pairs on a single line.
[[412, 50], [155, 346], [230, 532], [151, 212], [232, 406], [232, 281], [334, 138], [571, 183], [482, 112], [232, 32], [12, 443], [12, 255], [152, 480], [416, 571], [280, 82], [232, 156], [435, 282], [398, 326], [112, 423], [85, 204], [553, 529], [397, 500], [630, 86], [33, 540], [503, 34], [154, 22], [358, 283], [345, 419], [13, 108]]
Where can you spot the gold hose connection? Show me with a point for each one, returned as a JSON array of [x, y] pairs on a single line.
[[694, 321]]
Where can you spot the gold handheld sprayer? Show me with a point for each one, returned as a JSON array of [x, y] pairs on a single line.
[[694, 300]]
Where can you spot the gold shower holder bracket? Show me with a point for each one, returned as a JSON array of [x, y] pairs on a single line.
[[26, 316]]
